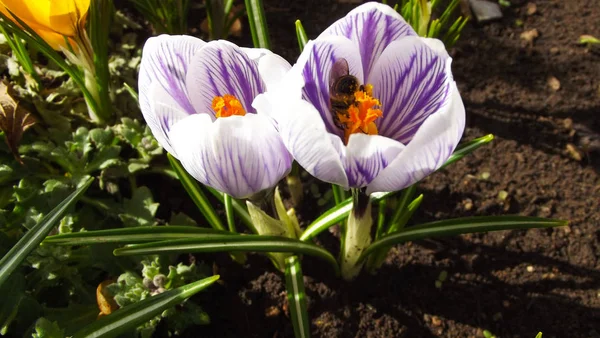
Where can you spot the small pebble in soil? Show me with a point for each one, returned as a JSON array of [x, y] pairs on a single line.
[[573, 152], [530, 268], [553, 83], [530, 35], [467, 204], [531, 8], [272, 311], [436, 321]]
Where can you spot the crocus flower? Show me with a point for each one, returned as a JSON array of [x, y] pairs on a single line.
[[52, 20], [197, 99], [369, 106], [399, 121]]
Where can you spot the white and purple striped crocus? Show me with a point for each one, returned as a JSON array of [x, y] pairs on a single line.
[[197, 99], [404, 120]]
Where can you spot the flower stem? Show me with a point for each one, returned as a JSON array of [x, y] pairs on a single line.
[[357, 234]]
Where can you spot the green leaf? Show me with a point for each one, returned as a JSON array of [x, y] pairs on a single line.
[[140, 209], [467, 148], [47, 329], [238, 207], [193, 189], [229, 243], [301, 35], [296, 296], [335, 215], [13, 292], [459, 226], [258, 24], [133, 235], [377, 258], [130, 317], [12, 260]]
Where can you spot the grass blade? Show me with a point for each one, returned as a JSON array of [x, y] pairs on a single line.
[[229, 243], [193, 189], [467, 148], [239, 208], [132, 316], [294, 285], [133, 235], [335, 215], [12, 260], [301, 35], [258, 24], [459, 226]]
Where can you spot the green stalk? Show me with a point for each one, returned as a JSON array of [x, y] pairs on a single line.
[[258, 24], [357, 235]]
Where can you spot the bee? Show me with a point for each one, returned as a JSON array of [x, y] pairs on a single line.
[[342, 87]]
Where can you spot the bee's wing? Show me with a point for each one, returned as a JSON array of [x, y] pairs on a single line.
[[339, 69]]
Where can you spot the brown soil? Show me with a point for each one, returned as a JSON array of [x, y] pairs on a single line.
[[545, 159]]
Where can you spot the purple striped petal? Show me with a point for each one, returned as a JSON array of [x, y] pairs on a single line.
[[303, 133], [372, 27], [366, 156], [412, 81], [315, 64], [165, 60], [222, 68], [162, 114], [431, 146], [238, 155]]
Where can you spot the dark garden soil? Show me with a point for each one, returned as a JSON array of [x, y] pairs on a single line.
[[545, 161]]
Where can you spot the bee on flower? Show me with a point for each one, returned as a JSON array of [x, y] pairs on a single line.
[[369, 106]]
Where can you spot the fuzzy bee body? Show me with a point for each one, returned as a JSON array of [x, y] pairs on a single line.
[[342, 87]]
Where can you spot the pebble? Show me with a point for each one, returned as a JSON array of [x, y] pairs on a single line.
[[485, 11], [531, 8], [530, 268], [553, 83], [530, 35]]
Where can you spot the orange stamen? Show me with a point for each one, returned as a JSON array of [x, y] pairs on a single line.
[[227, 105], [361, 115]]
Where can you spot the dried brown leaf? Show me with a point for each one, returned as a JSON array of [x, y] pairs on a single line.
[[14, 120]]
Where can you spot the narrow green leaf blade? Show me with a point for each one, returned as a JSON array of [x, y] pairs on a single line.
[[296, 296], [12, 260], [133, 235], [258, 24], [459, 226], [193, 189], [468, 148], [230, 243], [335, 215], [329, 218], [132, 316], [301, 35], [238, 208]]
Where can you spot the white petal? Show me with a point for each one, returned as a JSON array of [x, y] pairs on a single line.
[[412, 81], [165, 60], [222, 68], [272, 69], [315, 64], [304, 134], [371, 27], [238, 155], [431, 146], [162, 115], [367, 155]]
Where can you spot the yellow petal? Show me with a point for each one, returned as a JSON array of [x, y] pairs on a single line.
[[65, 15], [61, 16], [30, 11], [55, 40]]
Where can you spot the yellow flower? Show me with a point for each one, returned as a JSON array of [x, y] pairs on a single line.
[[52, 20]]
